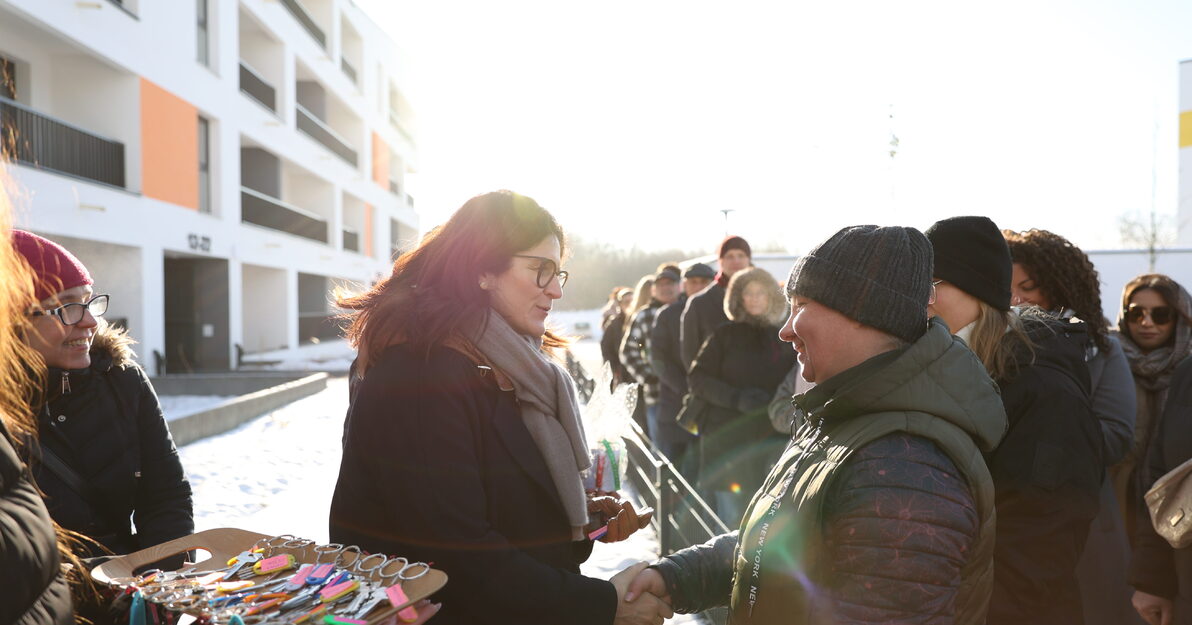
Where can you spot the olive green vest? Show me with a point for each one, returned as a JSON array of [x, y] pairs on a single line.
[[782, 581]]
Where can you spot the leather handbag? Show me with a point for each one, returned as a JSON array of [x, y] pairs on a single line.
[[1170, 504], [692, 413]]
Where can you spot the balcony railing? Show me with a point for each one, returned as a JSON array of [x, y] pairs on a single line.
[[299, 12], [410, 200], [351, 240], [347, 68], [29, 137], [255, 87], [394, 188], [270, 212], [321, 132]]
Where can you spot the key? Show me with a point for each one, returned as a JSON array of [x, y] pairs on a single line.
[[246, 558], [375, 597], [363, 593]]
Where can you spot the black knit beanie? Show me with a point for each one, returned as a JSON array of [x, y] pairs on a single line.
[[878, 276], [734, 242], [971, 253]]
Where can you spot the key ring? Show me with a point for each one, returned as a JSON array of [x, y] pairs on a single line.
[[299, 545], [340, 558], [361, 568], [400, 573], [330, 549]]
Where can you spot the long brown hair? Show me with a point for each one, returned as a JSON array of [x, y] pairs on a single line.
[[434, 291]]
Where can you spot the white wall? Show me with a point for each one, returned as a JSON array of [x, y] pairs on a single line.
[[116, 271], [1184, 200], [265, 308]]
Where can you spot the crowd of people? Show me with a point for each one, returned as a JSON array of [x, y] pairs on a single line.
[[929, 427]]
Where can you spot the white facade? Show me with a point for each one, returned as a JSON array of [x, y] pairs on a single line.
[[280, 206], [1184, 201]]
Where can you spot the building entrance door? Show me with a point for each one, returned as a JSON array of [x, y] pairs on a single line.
[[196, 315]]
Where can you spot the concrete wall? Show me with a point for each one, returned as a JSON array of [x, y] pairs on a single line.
[[1184, 200], [265, 301], [116, 270], [261, 171]]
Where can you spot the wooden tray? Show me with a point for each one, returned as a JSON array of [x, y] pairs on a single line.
[[224, 544]]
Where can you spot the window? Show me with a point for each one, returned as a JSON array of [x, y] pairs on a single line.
[[204, 166], [8, 79], [204, 51]]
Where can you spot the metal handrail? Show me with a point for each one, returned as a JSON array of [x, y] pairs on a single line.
[[247, 70], [286, 205], [270, 212], [348, 69], [299, 12], [39, 140], [339, 145]]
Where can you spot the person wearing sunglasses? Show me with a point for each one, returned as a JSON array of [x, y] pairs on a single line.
[[1055, 275], [1047, 470], [463, 444], [1155, 330], [105, 461]]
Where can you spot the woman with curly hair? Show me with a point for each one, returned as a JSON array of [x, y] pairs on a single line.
[[1052, 273]]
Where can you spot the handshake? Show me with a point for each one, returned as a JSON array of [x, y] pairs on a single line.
[[641, 596]]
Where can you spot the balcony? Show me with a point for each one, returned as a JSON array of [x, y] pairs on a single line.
[[348, 70], [255, 87], [299, 12], [316, 129], [38, 140], [394, 188], [351, 240], [269, 212]]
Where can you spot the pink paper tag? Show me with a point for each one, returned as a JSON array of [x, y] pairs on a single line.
[[276, 562], [299, 578], [398, 598], [332, 592], [598, 533]]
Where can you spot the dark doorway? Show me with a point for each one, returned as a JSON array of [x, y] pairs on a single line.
[[196, 311]]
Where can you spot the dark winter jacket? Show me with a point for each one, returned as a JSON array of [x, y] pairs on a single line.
[[665, 353], [610, 345], [105, 423], [703, 314], [736, 373], [880, 510], [1047, 472], [636, 349], [438, 466], [1157, 568], [32, 587]]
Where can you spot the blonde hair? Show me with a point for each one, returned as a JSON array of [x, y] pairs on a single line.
[[998, 339], [640, 300]]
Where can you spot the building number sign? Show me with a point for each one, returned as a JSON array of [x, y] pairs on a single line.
[[199, 243]]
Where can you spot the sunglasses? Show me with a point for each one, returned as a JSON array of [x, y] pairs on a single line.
[[1160, 315], [547, 271]]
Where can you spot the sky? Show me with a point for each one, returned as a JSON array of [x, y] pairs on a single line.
[[637, 123]]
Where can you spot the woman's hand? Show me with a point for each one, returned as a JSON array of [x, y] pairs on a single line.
[[607, 507], [1152, 609], [425, 610]]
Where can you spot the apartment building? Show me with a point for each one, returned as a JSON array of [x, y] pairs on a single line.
[[219, 165]]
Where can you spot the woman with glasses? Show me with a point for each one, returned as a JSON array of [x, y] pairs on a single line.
[[1047, 470], [463, 443], [106, 461], [1155, 329], [1055, 275]]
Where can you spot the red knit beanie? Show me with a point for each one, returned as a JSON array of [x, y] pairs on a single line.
[[54, 269], [734, 242]]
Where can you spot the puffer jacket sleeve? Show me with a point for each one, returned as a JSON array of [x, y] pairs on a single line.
[[899, 518], [700, 577], [33, 590], [164, 509]]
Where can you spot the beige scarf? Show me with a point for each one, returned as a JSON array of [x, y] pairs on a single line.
[[549, 409]]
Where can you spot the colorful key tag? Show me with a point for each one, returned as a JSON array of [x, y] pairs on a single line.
[[320, 574], [226, 587], [299, 578], [207, 580], [397, 597], [318, 611], [283, 562], [597, 534], [339, 620], [331, 593]]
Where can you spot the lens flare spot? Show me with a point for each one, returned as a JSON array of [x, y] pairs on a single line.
[[736, 488]]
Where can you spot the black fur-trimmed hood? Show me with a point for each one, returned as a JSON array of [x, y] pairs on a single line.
[[734, 297]]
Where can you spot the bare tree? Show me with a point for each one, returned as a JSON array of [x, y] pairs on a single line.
[[1149, 231]]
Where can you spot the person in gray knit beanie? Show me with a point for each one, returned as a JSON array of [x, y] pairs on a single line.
[[878, 276]]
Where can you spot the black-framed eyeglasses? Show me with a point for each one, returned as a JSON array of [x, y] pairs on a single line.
[[1160, 315], [70, 314], [547, 270]]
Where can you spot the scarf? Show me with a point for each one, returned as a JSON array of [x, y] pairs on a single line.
[[549, 409]]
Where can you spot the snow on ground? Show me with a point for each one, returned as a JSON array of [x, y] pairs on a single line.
[[276, 474], [178, 406], [581, 323], [332, 356]]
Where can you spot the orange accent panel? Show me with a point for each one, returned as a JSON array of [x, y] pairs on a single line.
[[169, 147], [380, 158], [368, 230]]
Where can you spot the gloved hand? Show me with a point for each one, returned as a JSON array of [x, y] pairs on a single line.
[[751, 399]]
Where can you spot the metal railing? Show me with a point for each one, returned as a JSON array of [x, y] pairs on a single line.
[[256, 87], [348, 69], [299, 12], [270, 212], [410, 200], [119, 4], [394, 188], [351, 240], [316, 129], [35, 139]]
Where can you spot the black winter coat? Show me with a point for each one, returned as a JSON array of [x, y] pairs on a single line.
[[665, 353], [439, 467], [610, 345], [703, 314], [736, 373], [1047, 475], [33, 590], [106, 423], [1157, 568]]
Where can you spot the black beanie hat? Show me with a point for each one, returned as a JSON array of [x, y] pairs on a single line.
[[878, 276], [971, 253], [734, 242]]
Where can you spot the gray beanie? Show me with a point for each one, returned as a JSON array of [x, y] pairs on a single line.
[[878, 276]]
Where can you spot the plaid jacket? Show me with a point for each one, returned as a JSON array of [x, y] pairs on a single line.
[[635, 351]]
